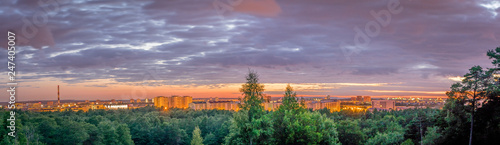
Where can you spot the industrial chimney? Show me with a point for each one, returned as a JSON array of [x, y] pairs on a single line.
[[58, 99]]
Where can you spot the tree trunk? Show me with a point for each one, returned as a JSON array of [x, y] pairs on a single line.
[[471, 127], [472, 115], [421, 132]]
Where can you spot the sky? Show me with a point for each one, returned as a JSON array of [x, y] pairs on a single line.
[[204, 48]]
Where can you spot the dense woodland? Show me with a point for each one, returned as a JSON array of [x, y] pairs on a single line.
[[471, 116]]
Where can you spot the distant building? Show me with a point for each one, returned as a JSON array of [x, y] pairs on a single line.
[[359, 98], [161, 102], [353, 98], [314, 105], [354, 107], [267, 99], [116, 106], [35, 106], [198, 105], [332, 105], [50, 103], [176, 102], [172, 102], [271, 106], [185, 102], [132, 101], [94, 107], [219, 105], [367, 99], [384, 104]]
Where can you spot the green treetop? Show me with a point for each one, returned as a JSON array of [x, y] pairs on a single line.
[[253, 96], [290, 99], [197, 139]]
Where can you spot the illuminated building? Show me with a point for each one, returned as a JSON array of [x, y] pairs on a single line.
[[332, 105], [161, 102], [176, 102], [185, 102], [271, 106], [355, 107], [35, 106], [219, 105], [116, 106], [19, 105], [172, 102], [94, 107], [384, 104], [235, 106], [198, 105], [314, 105], [50, 103], [367, 99], [359, 98], [46, 110]]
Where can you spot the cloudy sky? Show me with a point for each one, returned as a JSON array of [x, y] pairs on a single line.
[[204, 48]]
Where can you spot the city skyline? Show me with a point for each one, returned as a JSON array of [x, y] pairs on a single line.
[[205, 95], [216, 97], [144, 49]]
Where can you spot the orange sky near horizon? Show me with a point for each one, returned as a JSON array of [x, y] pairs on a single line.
[[47, 90]]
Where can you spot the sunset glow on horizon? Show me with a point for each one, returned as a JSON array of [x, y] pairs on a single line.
[[229, 90]]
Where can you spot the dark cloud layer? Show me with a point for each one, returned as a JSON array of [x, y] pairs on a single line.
[[187, 42]]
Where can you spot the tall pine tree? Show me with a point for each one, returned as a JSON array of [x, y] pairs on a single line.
[[197, 139], [253, 96], [249, 126]]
